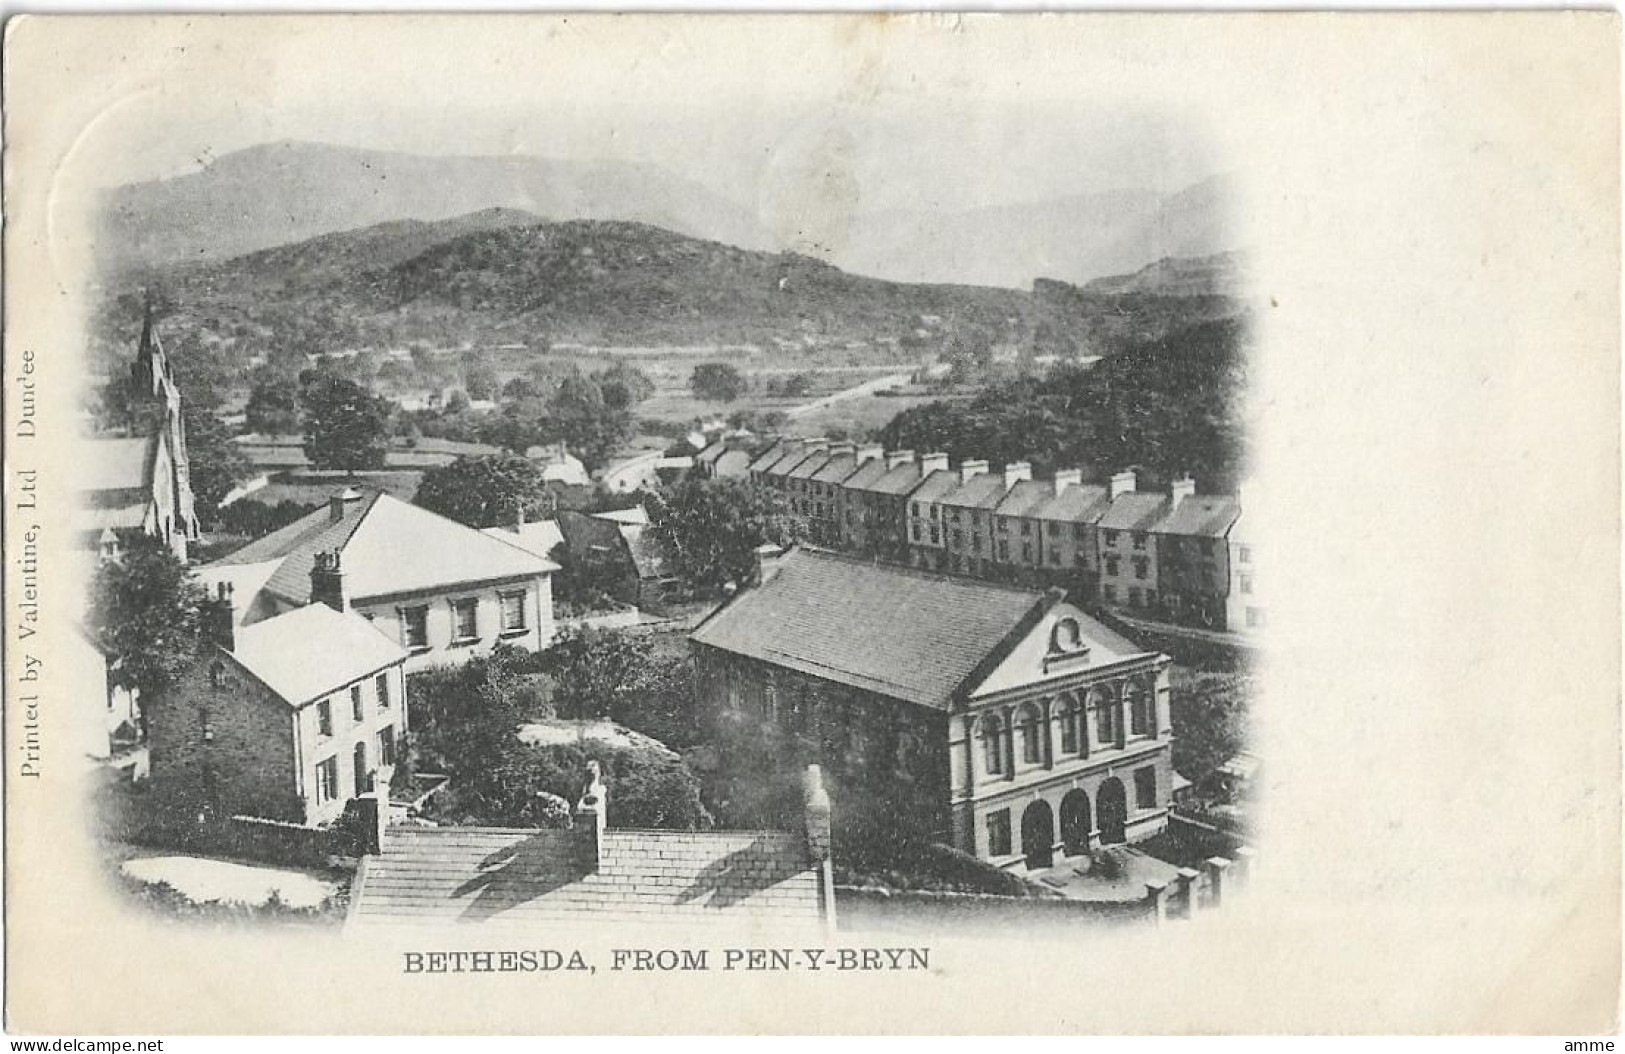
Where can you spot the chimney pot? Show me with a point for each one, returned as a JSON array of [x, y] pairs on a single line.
[[591, 814], [327, 580]]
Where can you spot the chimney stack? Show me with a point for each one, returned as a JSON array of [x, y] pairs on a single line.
[[1123, 483], [1017, 472], [1067, 477], [327, 580], [900, 457], [518, 524], [592, 814], [768, 558], [841, 449], [930, 463], [219, 623], [869, 452], [820, 839], [340, 503], [969, 470], [1181, 489]]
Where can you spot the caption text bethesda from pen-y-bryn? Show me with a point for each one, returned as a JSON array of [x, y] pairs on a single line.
[[663, 960]]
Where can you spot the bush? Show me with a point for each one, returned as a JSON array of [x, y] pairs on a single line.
[[528, 786]]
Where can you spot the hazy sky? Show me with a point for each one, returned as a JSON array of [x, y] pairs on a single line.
[[890, 115]]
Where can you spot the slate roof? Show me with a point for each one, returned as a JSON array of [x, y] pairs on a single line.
[[979, 492], [537, 539], [1202, 515], [117, 464], [734, 461], [836, 469], [1026, 496], [866, 475], [438, 875], [1134, 512], [772, 454], [809, 465], [937, 486], [711, 453], [308, 652], [908, 634], [388, 547], [1075, 504]]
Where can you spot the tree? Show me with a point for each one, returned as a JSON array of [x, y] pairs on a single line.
[[578, 415], [1209, 717], [273, 407], [464, 716], [624, 385], [717, 382], [484, 490], [711, 528], [594, 671], [144, 611], [216, 464], [346, 426], [479, 378]]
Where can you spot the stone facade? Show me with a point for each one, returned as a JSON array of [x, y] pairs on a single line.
[[227, 742], [884, 761]]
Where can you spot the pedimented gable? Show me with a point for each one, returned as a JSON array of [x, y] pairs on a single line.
[[1066, 641]]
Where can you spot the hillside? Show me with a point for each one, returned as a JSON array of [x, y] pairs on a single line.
[[281, 193], [502, 278], [1221, 274]]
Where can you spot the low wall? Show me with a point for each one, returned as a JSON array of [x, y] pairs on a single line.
[[287, 843], [608, 620], [934, 913]]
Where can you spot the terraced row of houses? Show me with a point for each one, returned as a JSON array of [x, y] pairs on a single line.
[[1177, 555]]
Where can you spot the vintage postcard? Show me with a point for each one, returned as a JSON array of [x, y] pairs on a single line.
[[833, 524]]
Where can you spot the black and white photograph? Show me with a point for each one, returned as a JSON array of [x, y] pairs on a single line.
[[619, 498]]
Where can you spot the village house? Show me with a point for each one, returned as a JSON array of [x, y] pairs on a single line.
[[442, 591], [1128, 548], [874, 511], [592, 874], [723, 459], [1193, 556], [971, 528], [285, 719], [1246, 606], [137, 479], [927, 522], [1001, 720]]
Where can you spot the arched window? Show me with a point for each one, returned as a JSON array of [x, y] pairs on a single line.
[[1105, 709], [1139, 709], [1032, 744], [1071, 723], [993, 744]]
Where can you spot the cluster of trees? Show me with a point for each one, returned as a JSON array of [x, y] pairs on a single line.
[[145, 610], [591, 413], [484, 490], [717, 382], [710, 529], [466, 722], [1167, 407], [1209, 711]]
